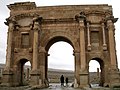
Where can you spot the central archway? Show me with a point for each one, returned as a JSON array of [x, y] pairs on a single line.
[[60, 62], [61, 56], [53, 41]]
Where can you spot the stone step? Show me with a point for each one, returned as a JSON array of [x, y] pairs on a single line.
[[101, 89]]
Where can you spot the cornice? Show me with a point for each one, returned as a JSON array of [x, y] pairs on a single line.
[[23, 15], [22, 6]]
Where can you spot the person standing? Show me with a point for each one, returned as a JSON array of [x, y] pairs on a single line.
[[62, 80], [66, 81]]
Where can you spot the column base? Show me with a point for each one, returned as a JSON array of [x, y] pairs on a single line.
[[104, 47], [84, 79], [114, 79], [37, 80], [89, 48], [35, 77], [7, 79]]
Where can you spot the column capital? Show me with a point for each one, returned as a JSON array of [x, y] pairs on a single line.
[[36, 26], [11, 23], [37, 19], [88, 23], [10, 20], [80, 17], [110, 25], [111, 19], [102, 24], [36, 23]]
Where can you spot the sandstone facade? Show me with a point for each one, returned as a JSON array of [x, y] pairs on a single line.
[[89, 29]]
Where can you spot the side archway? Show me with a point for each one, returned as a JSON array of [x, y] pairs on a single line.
[[22, 71], [101, 73]]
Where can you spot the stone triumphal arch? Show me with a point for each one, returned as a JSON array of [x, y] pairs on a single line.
[[89, 29]]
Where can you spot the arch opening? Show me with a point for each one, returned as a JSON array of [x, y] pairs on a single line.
[[23, 72], [60, 60], [96, 72], [61, 55]]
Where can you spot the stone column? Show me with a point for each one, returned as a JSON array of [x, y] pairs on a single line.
[[88, 35], [35, 45], [77, 66], [83, 68], [11, 27], [82, 43], [104, 37], [114, 75], [35, 73], [98, 73], [8, 71], [28, 74], [111, 37]]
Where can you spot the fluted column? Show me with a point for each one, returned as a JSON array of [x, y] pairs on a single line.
[[104, 37], [36, 28], [88, 36], [8, 76], [11, 24], [111, 37], [83, 73], [81, 19], [113, 74], [35, 73]]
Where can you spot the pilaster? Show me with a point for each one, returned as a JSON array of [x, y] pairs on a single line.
[[43, 61]]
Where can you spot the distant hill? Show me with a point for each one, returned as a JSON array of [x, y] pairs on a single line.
[[49, 69], [60, 70]]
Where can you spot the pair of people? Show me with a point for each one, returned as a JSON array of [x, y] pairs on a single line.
[[62, 80]]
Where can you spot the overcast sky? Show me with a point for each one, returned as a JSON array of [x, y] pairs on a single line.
[[60, 46]]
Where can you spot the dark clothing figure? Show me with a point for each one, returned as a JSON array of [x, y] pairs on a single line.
[[66, 81], [62, 80]]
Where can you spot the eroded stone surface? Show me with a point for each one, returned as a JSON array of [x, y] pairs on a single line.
[[32, 30]]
